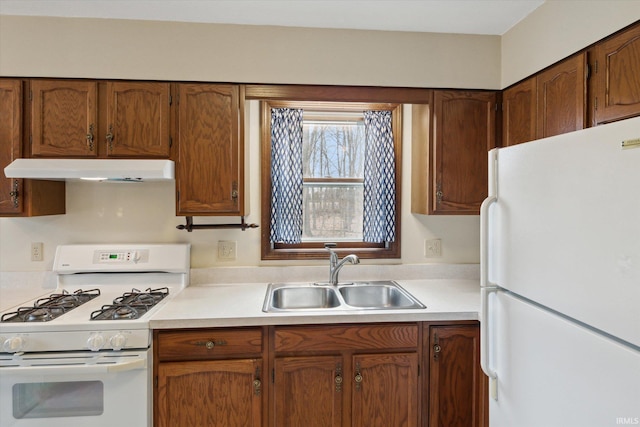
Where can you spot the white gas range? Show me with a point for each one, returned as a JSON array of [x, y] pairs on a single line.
[[82, 354]]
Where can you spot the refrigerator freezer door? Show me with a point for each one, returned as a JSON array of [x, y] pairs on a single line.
[[565, 230], [554, 373]]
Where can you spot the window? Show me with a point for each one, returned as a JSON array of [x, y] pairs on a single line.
[[333, 157], [333, 176]]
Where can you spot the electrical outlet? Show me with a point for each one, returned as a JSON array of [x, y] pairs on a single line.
[[432, 248], [227, 250], [36, 251]]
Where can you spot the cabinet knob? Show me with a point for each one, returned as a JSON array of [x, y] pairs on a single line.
[[358, 377], [209, 344]]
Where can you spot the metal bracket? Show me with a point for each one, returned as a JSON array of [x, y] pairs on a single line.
[[190, 226]]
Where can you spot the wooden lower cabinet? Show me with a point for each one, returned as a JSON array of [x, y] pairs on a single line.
[[456, 386], [346, 375], [308, 391], [409, 374], [216, 393], [209, 378], [385, 390]]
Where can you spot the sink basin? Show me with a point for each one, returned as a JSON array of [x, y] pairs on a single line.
[[385, 295], [377, 295], [303, 297]]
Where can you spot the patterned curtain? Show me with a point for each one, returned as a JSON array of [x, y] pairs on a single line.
[[379, 178], [286, 175]]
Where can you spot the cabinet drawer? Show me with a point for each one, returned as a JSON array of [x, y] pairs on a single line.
[[346, 337], [205, 344]]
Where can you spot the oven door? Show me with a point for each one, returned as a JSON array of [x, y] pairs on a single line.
[[75, 389]]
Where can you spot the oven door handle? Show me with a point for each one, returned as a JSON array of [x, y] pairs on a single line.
[[85, 369]]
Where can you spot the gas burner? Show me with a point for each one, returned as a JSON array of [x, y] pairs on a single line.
[[130, 305], [50, 307], [39, 315]]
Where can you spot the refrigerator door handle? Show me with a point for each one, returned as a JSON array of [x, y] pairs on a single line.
[[485, 342], [484, 241]]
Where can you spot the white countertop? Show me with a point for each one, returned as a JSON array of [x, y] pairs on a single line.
[[240, 304]]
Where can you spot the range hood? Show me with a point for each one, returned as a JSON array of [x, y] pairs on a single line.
[[120, 170]]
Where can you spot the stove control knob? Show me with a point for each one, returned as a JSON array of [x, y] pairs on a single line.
[[14, 344], [118, 341], [95, 342]]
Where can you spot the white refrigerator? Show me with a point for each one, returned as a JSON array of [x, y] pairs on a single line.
[[560, 276]]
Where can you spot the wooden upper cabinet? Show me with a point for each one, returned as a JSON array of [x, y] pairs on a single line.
[[22, 197], [64, 118], [616, 78], [137, 123], [464, 130], [10, 144], [209, 168], [519, 113], [562, 97]]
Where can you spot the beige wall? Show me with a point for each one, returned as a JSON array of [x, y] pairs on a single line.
[[99, 48], [558, 29]]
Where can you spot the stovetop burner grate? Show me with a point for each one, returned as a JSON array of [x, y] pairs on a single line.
[[131, 305], [50, 307]]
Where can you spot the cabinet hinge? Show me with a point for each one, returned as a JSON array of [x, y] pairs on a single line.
[[596, 67], [170, 142], [170, 99], [273, 376], [595, 103], [498, 106], [587, 72], [418, 369]]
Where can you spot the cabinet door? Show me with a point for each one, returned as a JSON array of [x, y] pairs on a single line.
[[11, 199], [519, 113], [561, 97], [464, 131], [221, 393], [137, 119], [63, 118], [209, 167], [385, 390], [457, 386], [308, 391], [617, 77]]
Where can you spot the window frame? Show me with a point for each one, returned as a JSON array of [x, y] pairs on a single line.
[[315, 250]]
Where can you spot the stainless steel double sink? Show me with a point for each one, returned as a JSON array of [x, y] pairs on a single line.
[[372, 295]]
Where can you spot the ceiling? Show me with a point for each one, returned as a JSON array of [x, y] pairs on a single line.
[[441, 16]]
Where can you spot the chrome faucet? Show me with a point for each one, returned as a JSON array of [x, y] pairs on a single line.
[[335, 265]]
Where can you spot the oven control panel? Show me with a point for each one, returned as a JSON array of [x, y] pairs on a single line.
[[107, 258], [121, 257]]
